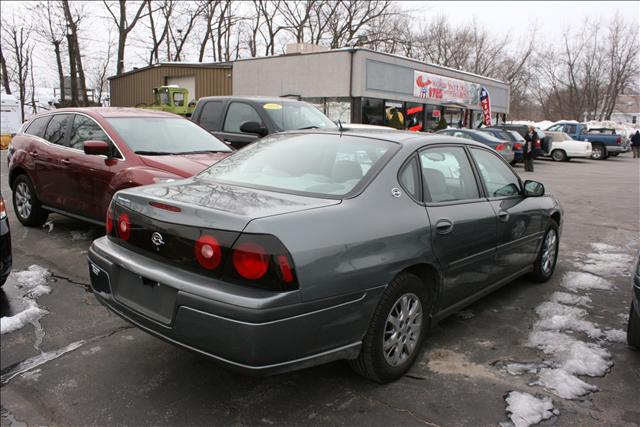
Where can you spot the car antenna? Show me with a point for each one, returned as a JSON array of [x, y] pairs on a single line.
[[340, 126]]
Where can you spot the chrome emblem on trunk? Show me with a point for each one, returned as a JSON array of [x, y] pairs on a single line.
[[156, 239]]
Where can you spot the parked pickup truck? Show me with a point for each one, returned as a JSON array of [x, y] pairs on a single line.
[[604, 142], [241, 120]]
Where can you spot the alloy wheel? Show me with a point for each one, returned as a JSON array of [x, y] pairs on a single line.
[[549, 250], [23, 200], [402, 330]]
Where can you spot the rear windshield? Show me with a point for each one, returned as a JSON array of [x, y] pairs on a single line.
[[296, 115], [165, 135], [315, 164]]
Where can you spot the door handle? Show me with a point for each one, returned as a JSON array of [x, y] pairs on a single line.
[[33, 153], [65, 161], [503, 216], [444, 226]]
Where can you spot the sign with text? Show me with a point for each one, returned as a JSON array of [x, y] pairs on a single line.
[[485, 103], [444, 89]]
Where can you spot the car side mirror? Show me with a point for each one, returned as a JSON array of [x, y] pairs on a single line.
[[533, 189], [253, 127], [96, 148]]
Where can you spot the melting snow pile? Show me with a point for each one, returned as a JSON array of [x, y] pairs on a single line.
[[526, 410], [32, 282], [578, 281]]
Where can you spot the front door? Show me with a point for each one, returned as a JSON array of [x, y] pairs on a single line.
[[519, 218], [463, 223]]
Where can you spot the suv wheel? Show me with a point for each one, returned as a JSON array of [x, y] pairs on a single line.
[[545, 263], [26, 205], [396, 332]]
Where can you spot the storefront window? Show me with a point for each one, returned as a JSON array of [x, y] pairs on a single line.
[[432, 117], [373, 111], [454, 117], [394, 114], [414, 114], [477, 118], [338, 109]]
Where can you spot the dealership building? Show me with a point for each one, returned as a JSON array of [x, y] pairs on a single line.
[[352, 85]]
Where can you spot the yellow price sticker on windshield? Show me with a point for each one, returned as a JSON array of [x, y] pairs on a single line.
[[272, 107]]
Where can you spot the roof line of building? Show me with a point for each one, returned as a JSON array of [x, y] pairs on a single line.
[[175, 64]]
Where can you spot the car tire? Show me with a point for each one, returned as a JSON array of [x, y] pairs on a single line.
[[406, 295], [558, 155], [26, 205], [633, 329], [545, 263], [598, 152]]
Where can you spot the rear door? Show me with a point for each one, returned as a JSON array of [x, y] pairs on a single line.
[[519, 218], [463, 222], [89, 175]]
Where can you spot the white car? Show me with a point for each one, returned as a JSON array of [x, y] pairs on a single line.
[[563, 147]]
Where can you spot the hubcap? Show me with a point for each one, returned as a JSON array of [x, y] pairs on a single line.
[[23, 200], [597, 153], [557, 155], [549, 252], [402, 330]]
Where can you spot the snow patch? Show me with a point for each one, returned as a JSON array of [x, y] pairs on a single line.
[[83, 235], [606, 264], [526, 409], [33, 362], [576, 281], [563, 384], [558, 317], [33, 284], [603, 247], [570, 299], [615, 335], [517, 368]]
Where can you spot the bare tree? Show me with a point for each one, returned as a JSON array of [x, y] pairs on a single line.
[[5, 73], [15, 35], [124, 24], [184, 21], [159, 25], [78, 81], [210, 8]]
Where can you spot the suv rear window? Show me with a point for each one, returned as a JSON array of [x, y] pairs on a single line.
[[38, 126], [325, 165]]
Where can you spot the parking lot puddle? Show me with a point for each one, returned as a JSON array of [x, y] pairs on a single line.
[[36, 361]]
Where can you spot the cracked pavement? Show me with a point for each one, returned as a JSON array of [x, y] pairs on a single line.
[[120, 375]]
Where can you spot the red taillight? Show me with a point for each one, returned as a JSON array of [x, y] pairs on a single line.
[[517, 146], [619, 141], [500, 147], [109, 223], [208, 252], [165, 207], [250, 261], [124, 226], [285, 269]]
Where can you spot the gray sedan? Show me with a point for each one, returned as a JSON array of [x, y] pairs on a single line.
[[313, 246]]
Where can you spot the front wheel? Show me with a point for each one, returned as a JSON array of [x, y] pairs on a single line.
[[559, 155], [545, 263], [26, 205], [396, 332]]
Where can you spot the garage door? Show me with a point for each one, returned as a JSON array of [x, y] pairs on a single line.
[[188, 82]]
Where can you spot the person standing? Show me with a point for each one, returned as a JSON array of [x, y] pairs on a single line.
[[530, 138], [635, 144]]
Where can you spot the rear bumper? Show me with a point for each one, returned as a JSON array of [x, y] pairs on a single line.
[[617, 148], [253, 337]]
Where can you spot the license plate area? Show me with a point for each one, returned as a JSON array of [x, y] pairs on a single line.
[[99, 279], [148, 297]]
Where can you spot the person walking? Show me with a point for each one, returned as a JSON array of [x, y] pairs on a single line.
[[635, 144], [530, 138]]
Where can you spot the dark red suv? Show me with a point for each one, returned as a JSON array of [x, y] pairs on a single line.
[[73, 160]]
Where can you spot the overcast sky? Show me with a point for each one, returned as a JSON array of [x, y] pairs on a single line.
[[500, 17]]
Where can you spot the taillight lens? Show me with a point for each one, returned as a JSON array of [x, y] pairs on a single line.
[[109, 224], [619, 141], [286, 270], [208, 252], [500, 147], [517, 146], [3, 209], [250, 260], [124, 226]]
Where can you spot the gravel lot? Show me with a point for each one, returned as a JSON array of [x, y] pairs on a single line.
[[108, 373]]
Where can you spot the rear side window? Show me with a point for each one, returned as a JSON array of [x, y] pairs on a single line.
[[57, 129], [238, 114], [498, 178], [447, 175], [38, 126], [85, 129], [210, 115], [410, 178]]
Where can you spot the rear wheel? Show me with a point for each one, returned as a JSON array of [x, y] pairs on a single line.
[[598, 152], [396, 332], [633, 330], [545, 263], [26, 205], [559, 155]]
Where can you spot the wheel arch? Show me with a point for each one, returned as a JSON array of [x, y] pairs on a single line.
[[431, 278], [18, 170]]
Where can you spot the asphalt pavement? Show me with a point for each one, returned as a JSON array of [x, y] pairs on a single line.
[[82, 365]]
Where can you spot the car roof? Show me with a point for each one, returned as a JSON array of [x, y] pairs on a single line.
[[115, 112], [405, 138], [253, 99]]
